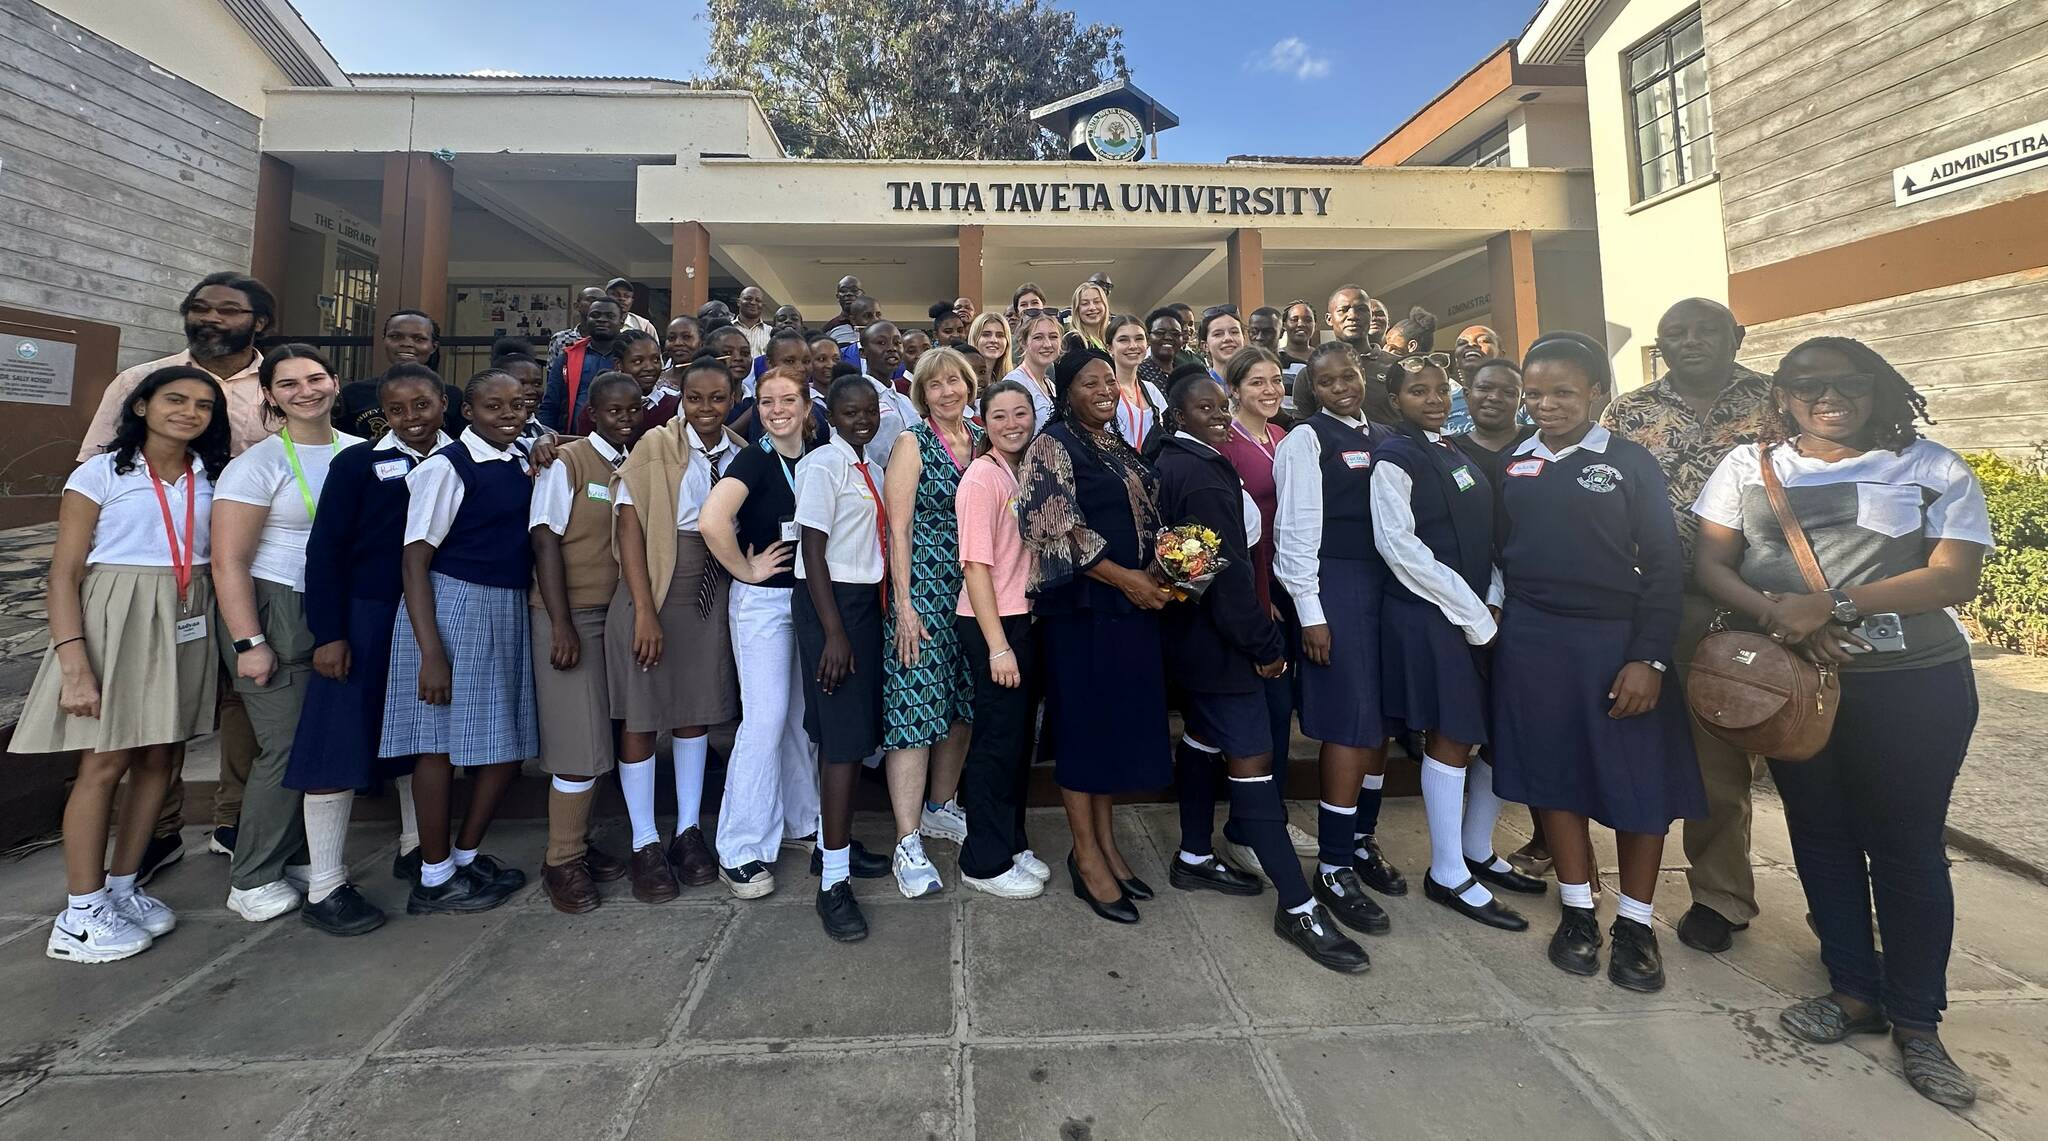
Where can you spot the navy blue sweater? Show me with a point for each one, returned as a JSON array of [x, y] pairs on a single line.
[[358, 533], [1591, 536], [1216, 643]]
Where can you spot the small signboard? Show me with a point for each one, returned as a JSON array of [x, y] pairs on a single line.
[[36, 371], [1997, 157]]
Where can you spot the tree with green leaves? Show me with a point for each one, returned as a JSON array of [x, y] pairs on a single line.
[[909, 79]]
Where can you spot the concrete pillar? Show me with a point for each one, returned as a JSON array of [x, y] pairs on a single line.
[[1511, 269], [690, 268], [967, 277], [412, 250], [270, 244], [1246, 269]]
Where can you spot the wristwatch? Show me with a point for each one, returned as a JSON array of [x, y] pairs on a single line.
[[1846, 612], [244, 645], [1660, 667]]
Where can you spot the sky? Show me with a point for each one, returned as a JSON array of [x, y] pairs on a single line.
[[1304, 77]]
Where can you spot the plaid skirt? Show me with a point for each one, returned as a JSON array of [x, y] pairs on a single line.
[[489, 718]]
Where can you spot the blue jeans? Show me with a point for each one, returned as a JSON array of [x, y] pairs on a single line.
[[1866, 818]]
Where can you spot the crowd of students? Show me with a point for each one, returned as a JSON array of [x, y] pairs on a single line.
[[936, 551]]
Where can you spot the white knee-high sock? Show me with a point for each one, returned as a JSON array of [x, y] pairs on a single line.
[[636, 780], [326, 838], [1443, 802], [1482, 810], [408, 815], [689, 761]]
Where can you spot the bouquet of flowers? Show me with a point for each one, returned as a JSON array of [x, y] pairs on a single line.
[[1189, 558]]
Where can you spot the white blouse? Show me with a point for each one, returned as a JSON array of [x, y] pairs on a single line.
[[130, 531]]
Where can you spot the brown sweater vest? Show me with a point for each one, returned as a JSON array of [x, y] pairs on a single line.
[[589, 569]]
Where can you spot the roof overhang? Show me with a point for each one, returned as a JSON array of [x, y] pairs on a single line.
[[1553, 34], [1478, 100], [278, 29]]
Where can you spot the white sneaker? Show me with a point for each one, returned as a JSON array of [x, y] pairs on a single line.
[[1014, 883], [946, 822], [1304, 844], [915, 875], [1033, 866], [262, 904], [1240, 858], [97, 935], [145, 911]]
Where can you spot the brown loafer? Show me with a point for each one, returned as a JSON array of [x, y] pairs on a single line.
[[602, 865], [653, 882], [569, 887], [692, 858]]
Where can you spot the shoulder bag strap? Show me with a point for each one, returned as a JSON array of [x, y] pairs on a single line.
[[1795, 536]]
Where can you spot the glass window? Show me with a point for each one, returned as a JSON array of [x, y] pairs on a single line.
[[1670, 111], [1490, 150]]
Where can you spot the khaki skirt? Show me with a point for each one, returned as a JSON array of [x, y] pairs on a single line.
[[695, 683], [574, 704], [154, 689]]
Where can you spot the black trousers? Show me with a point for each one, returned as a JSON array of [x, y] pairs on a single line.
[[998, 766]]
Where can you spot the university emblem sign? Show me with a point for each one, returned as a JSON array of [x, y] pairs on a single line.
[[1112, 135]]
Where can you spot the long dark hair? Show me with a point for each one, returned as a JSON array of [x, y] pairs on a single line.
[[1896, 403], [267, 371], [132, 431]]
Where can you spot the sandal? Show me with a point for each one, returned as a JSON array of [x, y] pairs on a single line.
[[1935, 1075], [1824, 1021]]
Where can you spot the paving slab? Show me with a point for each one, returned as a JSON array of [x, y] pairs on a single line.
[[613, 980], [2001, 794], [2001, 916], [900, 1094], [558, 1101], [779, 978], [1185, 1091], [2004, 1047], [1716, 1075], [1480, 1082], [230, 1106]]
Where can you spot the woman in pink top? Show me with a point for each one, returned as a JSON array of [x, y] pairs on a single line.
[[993, 624]]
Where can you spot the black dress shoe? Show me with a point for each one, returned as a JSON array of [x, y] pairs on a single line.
[[1211, 874], [1493, 913], [1704, 929], [1136, 888], [1633, 963], [405, 866], [1375, 872], [1345, 897], [1118, 910], [840, 913], [343, 912], [465, 892], [861, 864], [1319, 937], [488, 867], [162, 852], [1509, 880], [1575, 945]]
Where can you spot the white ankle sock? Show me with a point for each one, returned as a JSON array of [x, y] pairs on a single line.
[[836, 862], [1634, 909], [1304, 907], [1192, 860], [1482, 809], [434, 875], [408, 816], [326, 839], [689, 761], [1443, 802], [1575, 894], [121, 887], [463, 857], [89, 900], [636, 780]]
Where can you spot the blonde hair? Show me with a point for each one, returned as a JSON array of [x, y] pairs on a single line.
[[934, 360], [1098, 337], [983, 322], [1024, 335]]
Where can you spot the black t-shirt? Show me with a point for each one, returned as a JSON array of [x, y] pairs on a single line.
[[1493, 464], [771, 501], [358, 413]]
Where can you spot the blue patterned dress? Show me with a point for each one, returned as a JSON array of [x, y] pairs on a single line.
[[921, 703]]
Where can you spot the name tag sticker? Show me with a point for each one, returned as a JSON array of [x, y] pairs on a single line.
[[1357, 459], [789, 531], [598, 491], [390, 469], [191, 629], [1462, 476], [1528, 467]]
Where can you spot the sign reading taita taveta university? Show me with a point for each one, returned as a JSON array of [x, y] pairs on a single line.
[[1108, 198]]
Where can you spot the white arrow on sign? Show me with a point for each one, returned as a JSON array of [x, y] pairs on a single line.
[[1987, 160]]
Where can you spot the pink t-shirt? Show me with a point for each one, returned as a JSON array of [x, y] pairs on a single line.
[[986, 507]]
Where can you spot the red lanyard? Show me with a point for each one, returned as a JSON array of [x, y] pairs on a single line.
[[1137, 409], [881, 526], [182, 571]]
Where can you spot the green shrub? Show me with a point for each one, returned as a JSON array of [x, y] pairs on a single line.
[[2012, 608]]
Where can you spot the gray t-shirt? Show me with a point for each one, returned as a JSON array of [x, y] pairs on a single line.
[[1870, 517]]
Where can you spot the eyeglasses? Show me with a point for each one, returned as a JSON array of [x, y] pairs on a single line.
[[1848, 386], [203, 309], [1419, 361]]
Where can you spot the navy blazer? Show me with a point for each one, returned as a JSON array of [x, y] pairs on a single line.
[[1214, 644]]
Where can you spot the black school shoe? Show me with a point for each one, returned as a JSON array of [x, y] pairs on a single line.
[[1345, 898], [163, 851], [1575, 945], [488, 867], [1317, 936], [1493, 912], [1510, 880], [1374, 871], [840, 913], [345, 912], [1634, 963], [405, 866], [1211, 874], [861, 864], [1704, 929], [464, 893]]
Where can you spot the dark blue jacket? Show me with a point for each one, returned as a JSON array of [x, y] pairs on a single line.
[[358, 534], [555, 411], [1216, 643]]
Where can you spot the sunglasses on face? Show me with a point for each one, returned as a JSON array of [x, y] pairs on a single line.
[[1418, 361], [1848, 386]]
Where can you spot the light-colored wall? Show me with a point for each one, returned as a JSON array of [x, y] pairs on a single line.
[[515, 121], [1650, 254], [1550, 134], [197, 42]]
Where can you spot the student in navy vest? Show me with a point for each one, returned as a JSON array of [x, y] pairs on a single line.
[[1588, 721], [1432, 521]]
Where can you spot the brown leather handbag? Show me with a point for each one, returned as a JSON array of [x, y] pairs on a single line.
[[1758, 694]]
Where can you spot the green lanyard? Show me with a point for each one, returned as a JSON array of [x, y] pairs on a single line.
[[291, 456]]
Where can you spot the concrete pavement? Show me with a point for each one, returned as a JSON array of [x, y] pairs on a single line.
[[969, 1017]]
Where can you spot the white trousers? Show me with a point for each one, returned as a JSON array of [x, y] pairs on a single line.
[[771, 781]]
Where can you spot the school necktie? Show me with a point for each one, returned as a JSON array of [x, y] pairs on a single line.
[[714, 573]]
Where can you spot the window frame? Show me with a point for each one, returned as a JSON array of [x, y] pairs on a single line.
[[1477, 154], [1685, 171]]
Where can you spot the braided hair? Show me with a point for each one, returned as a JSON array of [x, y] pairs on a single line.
[[1895, 406]]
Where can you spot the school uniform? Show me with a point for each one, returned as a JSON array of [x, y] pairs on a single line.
[[996, 774], [353, 591], [572, 498], [1254, 460], [897, 415], [839, 493], [1491, 464], [470, 502], [358, 412], [146, 631], [1593, 573]]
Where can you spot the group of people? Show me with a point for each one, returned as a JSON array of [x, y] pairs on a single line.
[[937, 551]]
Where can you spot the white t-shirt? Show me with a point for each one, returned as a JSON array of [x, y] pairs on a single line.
[[130, 530], [262, 477], [832, 497]]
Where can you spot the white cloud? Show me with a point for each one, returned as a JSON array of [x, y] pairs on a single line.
[[1290, 57]]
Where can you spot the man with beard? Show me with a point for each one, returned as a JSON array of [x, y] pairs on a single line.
[[1350, 318], [752, 319], [410, 337], [621, 290], [576, 364], [579, 308], [841, 327]]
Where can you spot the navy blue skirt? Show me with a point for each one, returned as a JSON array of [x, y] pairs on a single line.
[[1429, 674], [1105, 703], [1554, 746], [1340, 702], [342, 721]]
